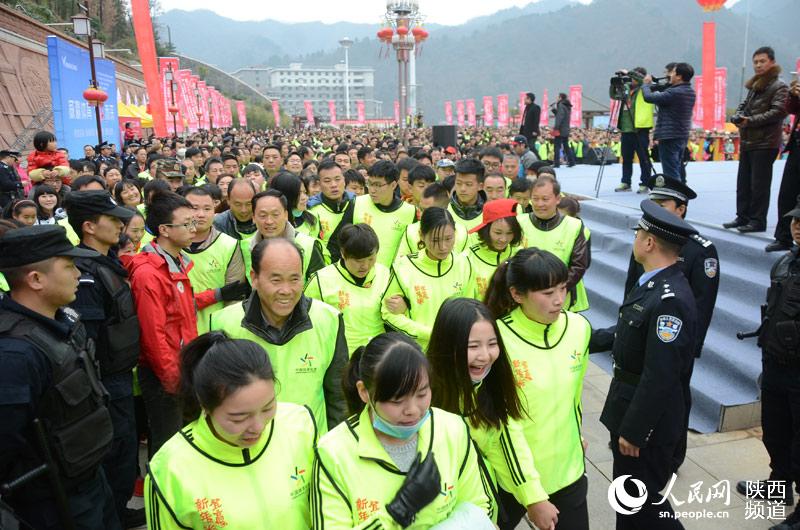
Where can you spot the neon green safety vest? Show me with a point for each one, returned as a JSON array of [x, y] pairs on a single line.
[[328, 220], [355, 478], [410, 242], [299, 364], [559, 241], [198, 481], [389, 226], [360, 305], [484, 263], [643, 112], [208, 272], [510, 460], [549, 363], [469, 224], [310, 229], [4, 284], [425, 284], [71, 235]]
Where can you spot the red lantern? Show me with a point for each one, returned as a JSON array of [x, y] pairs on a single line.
[[402, 31], [385, 35], [711, 5], [419, 34], [173, 109], [94, 96]]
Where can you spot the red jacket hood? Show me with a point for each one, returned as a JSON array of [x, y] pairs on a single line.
[[153, 256]]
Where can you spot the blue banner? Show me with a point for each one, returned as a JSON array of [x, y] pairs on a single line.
[[70, 73]]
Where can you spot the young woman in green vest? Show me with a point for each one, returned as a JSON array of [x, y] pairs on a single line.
[[548, 347], [499, 236], [245, 462], [420, 282], [294, 189], [397, 462], [354, 285], [472, 376]]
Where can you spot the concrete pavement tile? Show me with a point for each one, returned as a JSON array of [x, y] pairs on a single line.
[[600, 382], [593, 370], [699, 440], [592, 399], [737, 460], [597, 435], [601, 516]]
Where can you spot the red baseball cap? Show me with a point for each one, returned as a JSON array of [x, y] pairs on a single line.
[[497, 209], [450, 150]]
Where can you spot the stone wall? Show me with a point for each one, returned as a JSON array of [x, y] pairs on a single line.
[[24, 77]]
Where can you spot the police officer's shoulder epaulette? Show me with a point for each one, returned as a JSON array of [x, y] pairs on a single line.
[[70, 313], [666, 291], [703, 242]]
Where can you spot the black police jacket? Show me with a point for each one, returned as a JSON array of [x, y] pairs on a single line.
[[10, 184], [48, 372], [699, 262], [780, 330], [104, 302], [652, 346]]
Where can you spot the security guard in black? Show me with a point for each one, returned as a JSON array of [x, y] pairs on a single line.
[[48, 372], [653, 344]]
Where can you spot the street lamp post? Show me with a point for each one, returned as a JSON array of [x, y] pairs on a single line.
[[210, 121], [404, 17], [173, 109], [82, 27], [345, 43]]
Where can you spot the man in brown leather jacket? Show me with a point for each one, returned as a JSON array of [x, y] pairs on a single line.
[[759, 118]]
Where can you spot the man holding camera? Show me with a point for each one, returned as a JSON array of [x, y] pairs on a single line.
[[675, 106], [759, 119], [635, 122]]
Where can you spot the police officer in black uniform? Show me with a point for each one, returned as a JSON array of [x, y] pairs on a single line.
[[106, 155], [779, 339], [700, 264], [49, 373], [652, 343], [10, 183], [105, 304]]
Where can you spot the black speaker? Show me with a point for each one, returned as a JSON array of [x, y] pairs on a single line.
[[598, 156], [445, 136]]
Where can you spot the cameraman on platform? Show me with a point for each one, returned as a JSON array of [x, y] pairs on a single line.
[[635, 122], [675, 106]]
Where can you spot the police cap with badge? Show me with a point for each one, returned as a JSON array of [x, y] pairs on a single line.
[[31, 244], [95, 202], [663, 188], [6, 153], [664, 224]]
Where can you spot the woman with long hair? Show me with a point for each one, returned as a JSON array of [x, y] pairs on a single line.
[[48, 205], [296, 193], [471, 375], [245, 459], [396, 461], [548, 347]]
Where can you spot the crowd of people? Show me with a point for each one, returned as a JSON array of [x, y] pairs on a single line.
[[332, 329]]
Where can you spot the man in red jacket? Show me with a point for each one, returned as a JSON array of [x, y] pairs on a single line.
[[165, 305]]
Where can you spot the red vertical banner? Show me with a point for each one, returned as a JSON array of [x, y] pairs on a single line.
[[189, 102], [460, 112], [521, 105], [309, 111], [146, 45], [697, 115], [709, 73], [448, 112], [276, 113], [488, 111], [360, 112], [397, 112], [204, 115], [720, 98], [502, 110], [332, 110], [576, 98], [472, 119], [614, 107], [241, 112], [545, 115]]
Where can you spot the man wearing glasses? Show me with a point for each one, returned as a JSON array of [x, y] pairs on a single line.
[[383, 210], [165, 305]]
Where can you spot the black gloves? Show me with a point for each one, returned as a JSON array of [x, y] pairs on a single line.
[[419, 489], [234, 291]]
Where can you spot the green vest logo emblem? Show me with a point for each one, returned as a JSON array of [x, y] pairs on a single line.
[[299, 482], [306, 365], [299, 475], [447, 491], [577, 363]]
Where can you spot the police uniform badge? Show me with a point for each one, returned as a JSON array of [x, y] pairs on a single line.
[[668, 327], [711, 266], [660, 182]]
